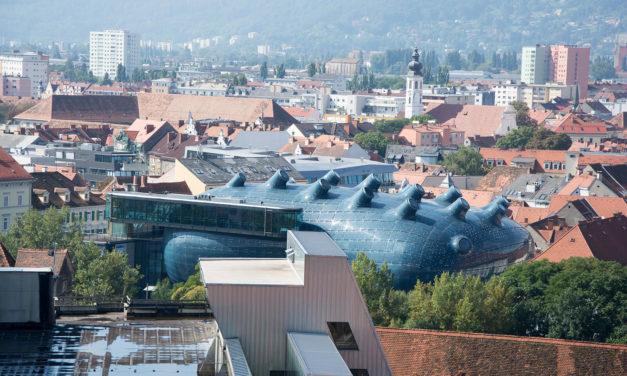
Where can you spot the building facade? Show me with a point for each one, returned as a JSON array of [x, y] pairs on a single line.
[[109, 48], [535, 64], [15, 187], [34, 66], [15, 86], [413, 91]]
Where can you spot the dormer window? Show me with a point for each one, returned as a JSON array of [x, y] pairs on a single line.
[[42, 195], [64, 194]]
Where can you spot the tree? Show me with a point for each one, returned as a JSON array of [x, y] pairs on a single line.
[[391, 126], [263, 70], [120, 74], [192, 289], [163, 290], [454, 60], [546, 139], [465, 161], [518, 138], [103, 273], [106, 80], [279, 71], [422, 119], [522, 114], [601, 68], [311, 69], [373, 141], [386, 305], [475, 59], [442, 76], [34, 230]]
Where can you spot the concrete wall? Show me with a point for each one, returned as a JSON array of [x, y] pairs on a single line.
[[22, 295]]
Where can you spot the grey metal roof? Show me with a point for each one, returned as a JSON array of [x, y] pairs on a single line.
[[461, 182], [272, 141], [545, 185], [345, 167], [318, 244], [220, 170], [8, 141], [317, 354]]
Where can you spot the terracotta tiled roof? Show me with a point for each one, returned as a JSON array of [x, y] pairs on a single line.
[[302, 112], [605, 207], [144, 129], [91, 108], [540, 155], [540, 115], [173, 145], [583, 180], [174, 107], [499, 177], [6, 260], [473, 120], [572, 124], [587, 159], [38, 258], [413, 352], [443, 112], [600, 238], [10, 169], [474, 198], [620, 120], [143, 185], [526, 214]]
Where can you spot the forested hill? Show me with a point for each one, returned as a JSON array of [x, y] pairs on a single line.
[[329, 26]]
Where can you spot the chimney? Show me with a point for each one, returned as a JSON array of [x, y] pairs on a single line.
[[330, 144], [135, 183], [291, 140], [144, 181]]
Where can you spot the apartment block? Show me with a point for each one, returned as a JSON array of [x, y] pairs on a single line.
[[535, 64], [29, 64], [109, 48]]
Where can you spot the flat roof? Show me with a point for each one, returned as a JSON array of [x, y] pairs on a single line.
[[31, 270], [317, 244], [317, 354], [246, 271]]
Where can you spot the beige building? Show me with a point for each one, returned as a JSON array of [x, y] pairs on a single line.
[[29, 64], [343, 67], [15, 188]]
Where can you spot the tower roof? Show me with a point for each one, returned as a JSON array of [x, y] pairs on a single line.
[[414, 66]]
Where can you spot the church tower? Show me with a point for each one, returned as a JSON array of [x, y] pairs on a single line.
[[413, 91]]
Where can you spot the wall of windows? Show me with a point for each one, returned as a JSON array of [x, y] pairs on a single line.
[[204, 215]]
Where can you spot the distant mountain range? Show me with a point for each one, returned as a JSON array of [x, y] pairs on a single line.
[[328, 27]]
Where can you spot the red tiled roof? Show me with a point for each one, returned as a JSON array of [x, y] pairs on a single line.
[[587, 159], [572, 124], [413, 352], [540, 155], [143, 130], [38, 258], [302, 112], [539, 115], [10, 169], [473, 120], [525, 214], [603, 206], [583, 180], [600, 238], [6, 260]]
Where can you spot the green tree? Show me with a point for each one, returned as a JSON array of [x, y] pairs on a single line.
[[279, 71], [546, 139], [163, 290], [373, 141], [106, 80], [454, 60], [391, 126], [465, 161], [522, 114], [263, 70], [602, 68], [422, 119], [518, 138], [192, 289], [42, 231], [120, 73], [442, 76], [311, 69], [386, 305], [103, 273]]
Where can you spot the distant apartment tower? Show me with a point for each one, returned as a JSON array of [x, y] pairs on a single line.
[[34, 66], [620, 55], [557, 63], [535, 64], [109, 48]]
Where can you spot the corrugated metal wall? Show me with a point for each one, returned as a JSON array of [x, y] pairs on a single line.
[[261, 316]]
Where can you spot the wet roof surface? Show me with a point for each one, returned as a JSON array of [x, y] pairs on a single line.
[[161, 347]]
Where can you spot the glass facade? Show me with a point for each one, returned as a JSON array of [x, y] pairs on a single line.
[[203, 215]]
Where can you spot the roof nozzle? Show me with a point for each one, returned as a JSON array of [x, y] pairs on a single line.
[[414, 191], [332, 177], [371, 182], [459, 208], [407, 209], [361, 198], [449, 196], [237, 180], [278, 180], [317, 189], [494, 211]]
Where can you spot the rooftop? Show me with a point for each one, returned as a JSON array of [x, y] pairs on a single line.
[[238, 271], [318, 244]]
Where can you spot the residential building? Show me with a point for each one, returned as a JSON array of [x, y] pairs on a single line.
[[431, 135], [52, 189], [506, 93], [603, 239], [314, 318], [144, 134], [15, 188], [588, 184], [602, 207], [580, 130], [163, 86], [563, 64], [29, 64], [475, 120], [431, 352], [58, 260], [534, 189], [620, 55], [205, 88], [15, 86], [551, 161], [109, 48]]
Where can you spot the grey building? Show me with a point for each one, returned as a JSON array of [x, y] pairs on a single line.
[[283, 311], [534, 189]]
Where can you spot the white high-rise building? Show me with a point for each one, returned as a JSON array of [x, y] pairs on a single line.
[[109, 48], [413, 91], [535, 64], [29, 64]]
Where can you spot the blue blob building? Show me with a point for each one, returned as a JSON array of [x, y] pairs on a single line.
[[418, 238]]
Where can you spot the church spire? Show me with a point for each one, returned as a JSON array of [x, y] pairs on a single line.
[[576, 100], [414, 66]]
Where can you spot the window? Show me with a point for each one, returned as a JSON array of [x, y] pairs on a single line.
[[6, 200], [19, 199], [547, 165], [342, 336], [5, 223]]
